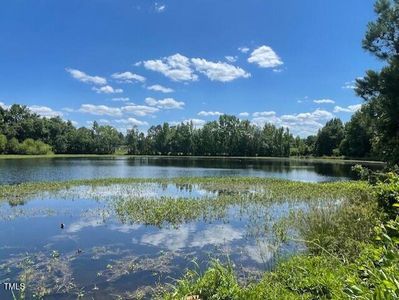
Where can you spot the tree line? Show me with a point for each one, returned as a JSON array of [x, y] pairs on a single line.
[[372, 132], [24, 132]]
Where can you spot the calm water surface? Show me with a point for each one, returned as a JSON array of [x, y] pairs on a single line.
[[56, 169], [101, 255]]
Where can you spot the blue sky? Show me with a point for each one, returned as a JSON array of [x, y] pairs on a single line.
[[127, 62]]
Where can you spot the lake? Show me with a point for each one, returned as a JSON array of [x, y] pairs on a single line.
[[104, 253], [57, 169]]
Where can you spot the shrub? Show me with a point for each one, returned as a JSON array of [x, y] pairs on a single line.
[[32, 147], [387, 193], [3, 143], [13, 146]]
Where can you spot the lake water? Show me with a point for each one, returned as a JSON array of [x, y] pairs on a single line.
[[55, 169], [103, 254]]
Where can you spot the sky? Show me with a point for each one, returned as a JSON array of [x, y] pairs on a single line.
[[140, 63]]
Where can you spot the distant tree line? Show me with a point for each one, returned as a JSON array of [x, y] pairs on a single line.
[[24, 132]]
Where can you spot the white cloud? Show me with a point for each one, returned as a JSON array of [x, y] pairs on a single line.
[[171, 239], [132, 121], [83, 77], [3, 105], [243, 114], [103, 121], [243, 49], [324, 101], [44, 111], [265, 57], [230, 58], [210, 113], [128, 77], [176, 67], [160, 88], [302, 124], [68, 109], [100, 110], [349, 85], [107, 89], [218, 71], [348, 109], [196, 122], [216, 235], [121, 99], [167, 103], [159, 7], [264, 114], [140, 110]]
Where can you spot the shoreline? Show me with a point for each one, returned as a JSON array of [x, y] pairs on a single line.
[[264, 158]]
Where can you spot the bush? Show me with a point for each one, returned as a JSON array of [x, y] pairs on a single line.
[[13, 146], [32, 147], [387, 192], [3, 143]]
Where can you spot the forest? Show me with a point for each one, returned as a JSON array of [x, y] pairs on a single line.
[[23, 132]]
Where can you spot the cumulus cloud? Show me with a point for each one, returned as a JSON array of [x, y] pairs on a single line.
[[218, 71], [348, 109], [265, 57], [160, 88], [210, 113], [83, 77], [243, 49], [264, 114], [107, 89], [100, 110], [3, 105], [302, 124], [128, 77], [230, 58], [140, 110], [196, 122], [121, 99], [44, 111], [324, 101], [132, 121], [243, 114], [167, 103], [176, 67]]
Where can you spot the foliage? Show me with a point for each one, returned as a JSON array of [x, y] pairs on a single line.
[[32, 147], [301, 277], [340, 228], [387, 192], [329, 138], [357, 137], [379, 88], [3, 143], [378, 267]]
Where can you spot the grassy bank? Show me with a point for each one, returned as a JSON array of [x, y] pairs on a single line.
[[353, 253]]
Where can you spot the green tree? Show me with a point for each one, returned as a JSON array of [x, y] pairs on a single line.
[[357, 138], [329, 138], [3, 143], [380, 88]]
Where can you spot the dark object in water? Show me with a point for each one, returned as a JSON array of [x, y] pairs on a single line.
[[62, 225], [79, 251]]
